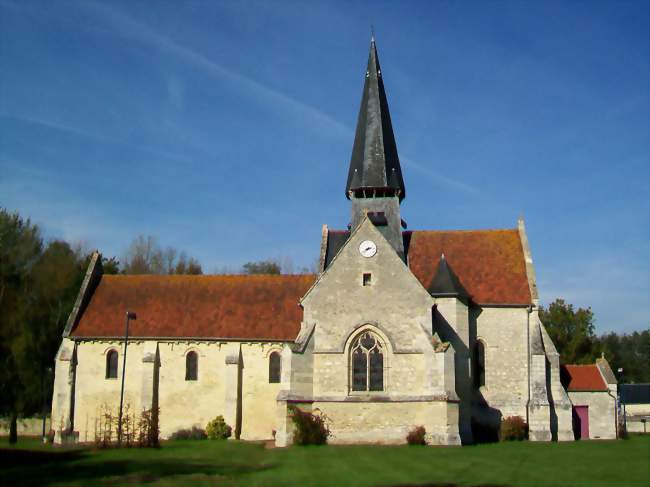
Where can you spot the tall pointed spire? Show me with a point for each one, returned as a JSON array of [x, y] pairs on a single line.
[[374, 164]]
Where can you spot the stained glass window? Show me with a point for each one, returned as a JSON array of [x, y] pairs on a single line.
[[367, 363]]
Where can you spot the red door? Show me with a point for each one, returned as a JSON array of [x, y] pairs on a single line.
[[581, 422]]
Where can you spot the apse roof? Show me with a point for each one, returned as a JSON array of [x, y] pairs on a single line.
[[445, 281]]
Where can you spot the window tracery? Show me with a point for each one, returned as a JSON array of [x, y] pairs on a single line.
[[367, 363]]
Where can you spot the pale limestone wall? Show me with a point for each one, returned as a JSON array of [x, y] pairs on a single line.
[[259, 418], [389, 422], [395, 306], [25, 426], [395, 302], [417, 381], [63, 389], [602, 413], [182, 403], [452, 325], [93, 391], [504, 332], [633, 413]]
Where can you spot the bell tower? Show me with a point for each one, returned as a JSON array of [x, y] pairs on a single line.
[[375, 185]]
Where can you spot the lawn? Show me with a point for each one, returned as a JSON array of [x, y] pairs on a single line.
[[606, 463]]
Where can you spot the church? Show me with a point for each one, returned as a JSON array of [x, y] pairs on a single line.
[[398, 329]]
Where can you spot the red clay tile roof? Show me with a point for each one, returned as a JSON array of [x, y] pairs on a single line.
[[489, 263], [246, 307], [583, 378]]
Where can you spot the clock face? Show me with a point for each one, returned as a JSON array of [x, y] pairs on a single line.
[[368, 248]]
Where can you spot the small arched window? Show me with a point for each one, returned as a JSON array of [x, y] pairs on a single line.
[[479, 364], [191, 366], [367, 363], [111, 364], [275, 368]]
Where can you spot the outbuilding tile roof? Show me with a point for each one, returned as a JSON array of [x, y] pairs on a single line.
[[490, 264], [262, 307], [577, 378]]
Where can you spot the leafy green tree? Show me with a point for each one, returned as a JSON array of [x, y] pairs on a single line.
[[261, 267], [631, 352], [20, 249], [572, 331]]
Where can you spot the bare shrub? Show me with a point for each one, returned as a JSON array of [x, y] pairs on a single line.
[[513, 428], [417, 436], [311, 429]]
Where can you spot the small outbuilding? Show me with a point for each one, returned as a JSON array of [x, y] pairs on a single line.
[[635, 402], [593, 399]]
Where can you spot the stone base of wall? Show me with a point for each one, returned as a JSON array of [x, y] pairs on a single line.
[[385, 423]]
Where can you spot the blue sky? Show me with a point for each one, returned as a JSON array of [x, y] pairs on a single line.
[[225, 128]]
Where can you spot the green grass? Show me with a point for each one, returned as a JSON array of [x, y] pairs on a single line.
[[206, 462]]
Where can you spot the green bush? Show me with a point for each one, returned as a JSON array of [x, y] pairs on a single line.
[[513, 428], [194, 433], [217, 429], [311, 429], [416, 436]]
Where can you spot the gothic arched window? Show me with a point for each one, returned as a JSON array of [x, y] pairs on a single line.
[[479, 364], [111, 364], [367, 363], [191, 366], [275, 368]]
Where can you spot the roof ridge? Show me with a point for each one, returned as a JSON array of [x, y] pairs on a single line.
[[205, 276], [466, 230]]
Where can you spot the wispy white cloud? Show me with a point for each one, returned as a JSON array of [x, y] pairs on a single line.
[[439, 178], [130, 28], [55, 125]]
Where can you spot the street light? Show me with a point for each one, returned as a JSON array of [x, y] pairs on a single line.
[[130, 315], [618, 389]]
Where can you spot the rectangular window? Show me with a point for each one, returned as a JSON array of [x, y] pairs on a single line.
[[367, 279]]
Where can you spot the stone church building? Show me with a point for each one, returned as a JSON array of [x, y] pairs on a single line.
[[398, 329]]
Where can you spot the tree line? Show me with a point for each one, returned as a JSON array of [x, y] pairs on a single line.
[[573, 333]]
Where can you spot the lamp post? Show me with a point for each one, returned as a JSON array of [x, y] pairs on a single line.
[[618, 389], [130, 315]]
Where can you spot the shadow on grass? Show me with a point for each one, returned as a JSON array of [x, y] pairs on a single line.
[[25, 467], [448, 485]]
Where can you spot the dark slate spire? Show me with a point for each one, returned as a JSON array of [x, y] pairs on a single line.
[[374, 164], [445, 282]]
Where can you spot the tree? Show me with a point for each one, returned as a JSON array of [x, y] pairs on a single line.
[[145, 256], [20, 248], [631, 352], [38, 288], [261, 267], [571, 330]]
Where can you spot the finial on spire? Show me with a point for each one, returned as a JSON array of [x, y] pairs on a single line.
[[372, 33]]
